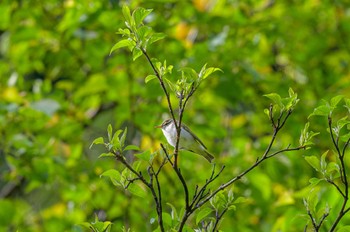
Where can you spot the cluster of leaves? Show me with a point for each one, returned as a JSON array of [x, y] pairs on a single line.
[[139, 36], [331, 166]]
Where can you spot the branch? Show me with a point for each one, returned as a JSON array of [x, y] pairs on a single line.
[[161, 82], [280, 123], [139, 176], [343, 175], [218, 217]]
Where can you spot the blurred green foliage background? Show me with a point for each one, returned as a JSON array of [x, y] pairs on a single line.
[[59, 89]]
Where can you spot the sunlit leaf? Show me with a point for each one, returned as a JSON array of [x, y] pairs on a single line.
[[109, 132], [149, 78], [123, 137], [109, 154], [276, 99], [314, 181], [121, 44], [140, 14], [127, 15], [131, 147], [98, 140], [136, 53], [335, 100], [323, 110], [323, 163], [155, 37], [146, 156], [314, 162], [114, 176]]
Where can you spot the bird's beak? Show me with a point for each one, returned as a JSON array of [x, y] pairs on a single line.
[[160, 126]]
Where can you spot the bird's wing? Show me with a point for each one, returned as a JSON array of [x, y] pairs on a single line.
[[194, 136]]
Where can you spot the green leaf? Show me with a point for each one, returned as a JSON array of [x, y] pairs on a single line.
[[276, 98], [206, 72], [121, 44], [149, 78], [188, 74], [140, 14], [323, 163], [123, 137], [347, 103], [115, 143], [323, 110], [123, 32], [136, 190], [136, 53], [203, 213], [114, 176], [314, 181], [155, 37], [171, 85], [109, 154], [344, 229], [143, 33], [343, 122], [335, 100], [98, 140], [312, 200], [86, 225], [167, 219], [127, 15], [240, 200], [131, 147], [146, 156], [314, 162], [109, 132], [174, 214]]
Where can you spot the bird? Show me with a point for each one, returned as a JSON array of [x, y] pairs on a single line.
[[188, 140]]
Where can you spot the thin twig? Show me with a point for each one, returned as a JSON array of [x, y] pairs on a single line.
[[343, 175]]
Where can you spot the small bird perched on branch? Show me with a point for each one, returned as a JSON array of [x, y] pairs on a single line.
[[188, 140]]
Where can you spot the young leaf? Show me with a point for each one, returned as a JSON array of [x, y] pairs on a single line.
[[109, 132], [126, 13], [131, 147], [314, 181], [123, 137], [203, 74], [146, 156], [155, 37], [137, 190], [203, 213], [323, 110], [335, 100], [114, 175], [174, 214], [140, 14], [347, 103], [136, 53], [109, 154], [167, 219], [314, 162], [99, 140], [323, 163], [115, 143], [121, 44], [149, 78], [276, 98]]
